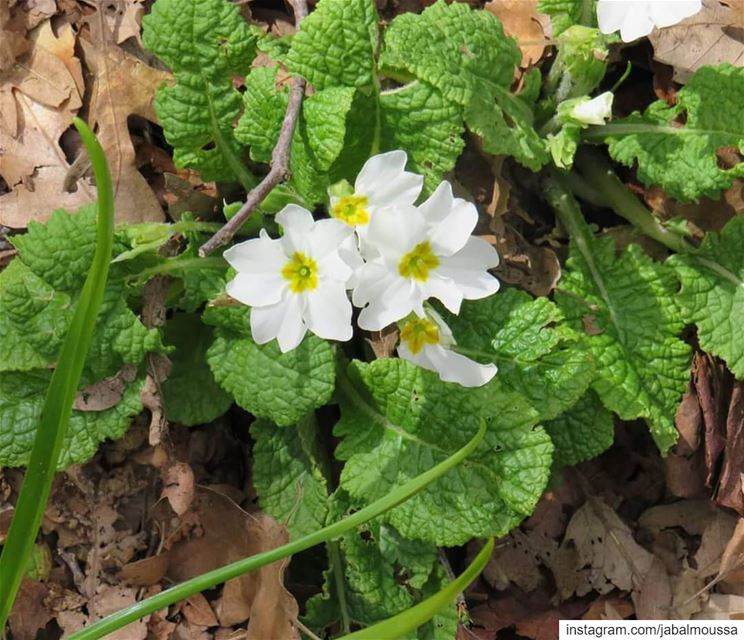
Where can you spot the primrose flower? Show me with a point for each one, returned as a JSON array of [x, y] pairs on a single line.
[[382, 182], [298, 282], [421, 253], [594, 111], [427, 342], [637, 18]]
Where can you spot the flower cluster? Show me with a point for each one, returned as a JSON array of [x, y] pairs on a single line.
[[392, 255]]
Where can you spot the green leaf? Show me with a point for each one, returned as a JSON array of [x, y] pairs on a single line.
[[397, 419], [21, 400], [264, 107], [712, 294], [417, 118], [538, 355], [682, 158], [566, 13], [504, 122], [324, 124], [582, 432], [461, 52], [190, 394], [282, 387], [625, 304], [205, 43], [33, 319], [335, 45], [288, 476]]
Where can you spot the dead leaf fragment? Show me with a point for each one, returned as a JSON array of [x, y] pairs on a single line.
[[522, 21], [712, 36], [106, 393]]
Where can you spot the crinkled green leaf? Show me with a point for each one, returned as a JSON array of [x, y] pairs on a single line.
[[582, 432], [288, 476], [504, 122], [33, 319], [282, 387], [37, 292], [324, 124], [461, 52], [537, 354], [566, 13], [682, 158], [204, 42], [398, 420], [261, 122], [420, 120], [712, 294], [626, 307], [190, 394], [335, 45], [21, 401]]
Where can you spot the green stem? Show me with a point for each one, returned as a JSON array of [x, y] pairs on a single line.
[[217, 576], [246, 178], [413, 618], [63, 385], [179, 264], [600, 175], [337, 566]]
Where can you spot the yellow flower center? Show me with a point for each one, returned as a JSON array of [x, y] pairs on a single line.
[[352, 210], [417, 263], [419, 332], [302, 273]]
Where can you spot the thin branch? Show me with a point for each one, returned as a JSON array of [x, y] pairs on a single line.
[[279, 157]]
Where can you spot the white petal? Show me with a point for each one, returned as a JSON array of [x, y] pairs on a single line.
[[630, 17], [282, 321], [394, 231], [669, 12], [328, 312], [259, 255], [450, 220], [326, 236], [257, 290], [348, 251], [611, 14], [334, 268], [444, 289], [477, 254], [455, 367], [473, 285], [373, 279], [297, 223], [384, 181], [594, 111], [467, 269], [392, 306]]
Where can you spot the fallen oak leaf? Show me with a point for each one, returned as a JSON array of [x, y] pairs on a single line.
[[523, 22], [123, 86]]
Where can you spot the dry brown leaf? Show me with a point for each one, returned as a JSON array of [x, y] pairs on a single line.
[[229, 533], [30, 612], [712, 36], [522, 21], [145, 572], [608, 556], [179, 486], [722, 607], [123, 17], [730, 493], [687, 598], [39, 98], [716, 536], [691, 515], [197, 611], [653, 597], [732, 559], [123, 86], [609, 608], [106, 393], [517, 559], [110, 599]]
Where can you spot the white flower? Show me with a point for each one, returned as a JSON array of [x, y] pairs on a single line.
[[594, 111], [427, 342], [297, 282], [421, 253], [382, 182], [637, 18]]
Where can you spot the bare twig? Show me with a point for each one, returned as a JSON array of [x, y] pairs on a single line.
[[279, 157]]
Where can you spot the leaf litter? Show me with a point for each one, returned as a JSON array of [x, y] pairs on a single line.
[[628, 534]]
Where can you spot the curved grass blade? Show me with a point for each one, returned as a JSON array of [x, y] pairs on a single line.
[[210, 579], [61, 392], [410, 619]]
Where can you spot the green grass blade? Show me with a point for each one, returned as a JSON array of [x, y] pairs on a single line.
[[410, 619], [228, 572], [61, 392]]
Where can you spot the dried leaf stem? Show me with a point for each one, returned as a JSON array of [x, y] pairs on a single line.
[[280, 157]]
